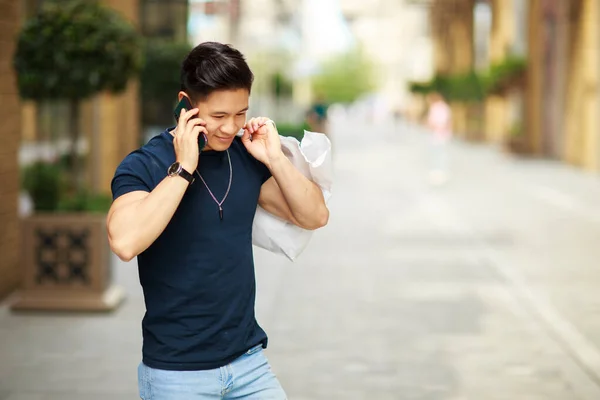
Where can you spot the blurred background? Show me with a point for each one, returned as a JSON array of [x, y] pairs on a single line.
[[461, 257]]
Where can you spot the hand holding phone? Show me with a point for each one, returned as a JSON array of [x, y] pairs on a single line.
[[189, 128], [185, 105]]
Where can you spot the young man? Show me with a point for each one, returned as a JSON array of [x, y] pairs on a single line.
[[187, 216]]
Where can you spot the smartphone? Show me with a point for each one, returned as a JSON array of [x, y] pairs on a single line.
[[184, 104]]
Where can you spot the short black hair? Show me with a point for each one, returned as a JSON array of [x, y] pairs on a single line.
[[213, 66]]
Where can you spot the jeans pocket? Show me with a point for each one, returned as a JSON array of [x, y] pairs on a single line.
[[144, 381], [141, 382]]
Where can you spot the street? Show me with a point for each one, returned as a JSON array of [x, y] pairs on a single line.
[[484, 288]]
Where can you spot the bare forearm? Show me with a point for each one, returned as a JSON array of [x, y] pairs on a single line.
[[135, 226], [304, 197]]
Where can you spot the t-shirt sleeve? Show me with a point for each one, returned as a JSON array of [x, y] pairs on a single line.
[[132, 175]]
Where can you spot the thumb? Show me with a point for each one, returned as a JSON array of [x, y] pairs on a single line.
[[246, 138]]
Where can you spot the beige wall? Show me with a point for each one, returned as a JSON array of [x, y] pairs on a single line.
[[10, 131], [533, 120], [563, 121], [581, 113], [497, 118]]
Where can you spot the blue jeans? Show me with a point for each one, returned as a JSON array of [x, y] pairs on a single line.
[[247, 377]]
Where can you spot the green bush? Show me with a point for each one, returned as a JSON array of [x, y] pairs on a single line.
[[422, 88], [468, 87], [282, 86], [344, 78], [85, 201], [160, 81], [43, 182], [293, 130], [474, 86], [505, 74]]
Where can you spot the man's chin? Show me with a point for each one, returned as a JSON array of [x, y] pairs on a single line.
[[219, 144]]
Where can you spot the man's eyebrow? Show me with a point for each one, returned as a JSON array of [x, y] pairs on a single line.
[[226, 113]]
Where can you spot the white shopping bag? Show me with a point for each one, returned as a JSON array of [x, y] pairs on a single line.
[[312, 157]]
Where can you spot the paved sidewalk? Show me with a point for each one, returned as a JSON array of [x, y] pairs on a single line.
[[485, 288]]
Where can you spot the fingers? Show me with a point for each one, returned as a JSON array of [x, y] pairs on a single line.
[[185, 116], [193, 123], [191, 130], [255, 124], [196, 130], [247, 136], [188, 123]]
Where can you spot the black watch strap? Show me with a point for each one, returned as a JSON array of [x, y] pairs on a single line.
[[177, 170], [186, 175]]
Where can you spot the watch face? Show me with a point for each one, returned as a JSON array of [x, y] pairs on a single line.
[[174, 168]]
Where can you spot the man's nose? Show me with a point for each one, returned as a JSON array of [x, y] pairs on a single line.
[[230, 128]]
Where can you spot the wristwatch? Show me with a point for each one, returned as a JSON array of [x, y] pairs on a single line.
[[177, 170]]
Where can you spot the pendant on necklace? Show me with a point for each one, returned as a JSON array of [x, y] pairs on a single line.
[[221, 213]]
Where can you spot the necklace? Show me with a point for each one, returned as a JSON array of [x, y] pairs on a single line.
[[219, 203]]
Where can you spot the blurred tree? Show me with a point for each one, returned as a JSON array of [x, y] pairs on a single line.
[[344, 78], [160, 81], [72, 51], [282, 85]]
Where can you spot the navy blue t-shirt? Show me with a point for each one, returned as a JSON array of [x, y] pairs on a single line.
[[198, 276]]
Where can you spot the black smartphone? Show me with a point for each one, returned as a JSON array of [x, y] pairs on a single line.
[[184, 104]]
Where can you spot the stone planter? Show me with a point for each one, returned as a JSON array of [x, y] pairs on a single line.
[[66, 264]]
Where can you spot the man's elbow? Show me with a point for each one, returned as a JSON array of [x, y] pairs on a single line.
[[121, 247], [122, 250], [318, 220], [323, 218]]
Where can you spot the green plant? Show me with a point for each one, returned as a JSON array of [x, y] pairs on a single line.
[[467, 87], [422, 88], [293, 130], [344, 78], [474, 86], [160, 81], [71, 51], [505, 74], [282, 86], [43, 182], [85, 201], [516, 130]]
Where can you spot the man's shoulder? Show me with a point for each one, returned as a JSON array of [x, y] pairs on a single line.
[[152, 152]]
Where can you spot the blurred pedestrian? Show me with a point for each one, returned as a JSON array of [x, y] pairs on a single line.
[[317, 115], [439, 123]]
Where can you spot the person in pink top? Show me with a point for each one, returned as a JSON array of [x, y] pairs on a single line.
[[439, 122]]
